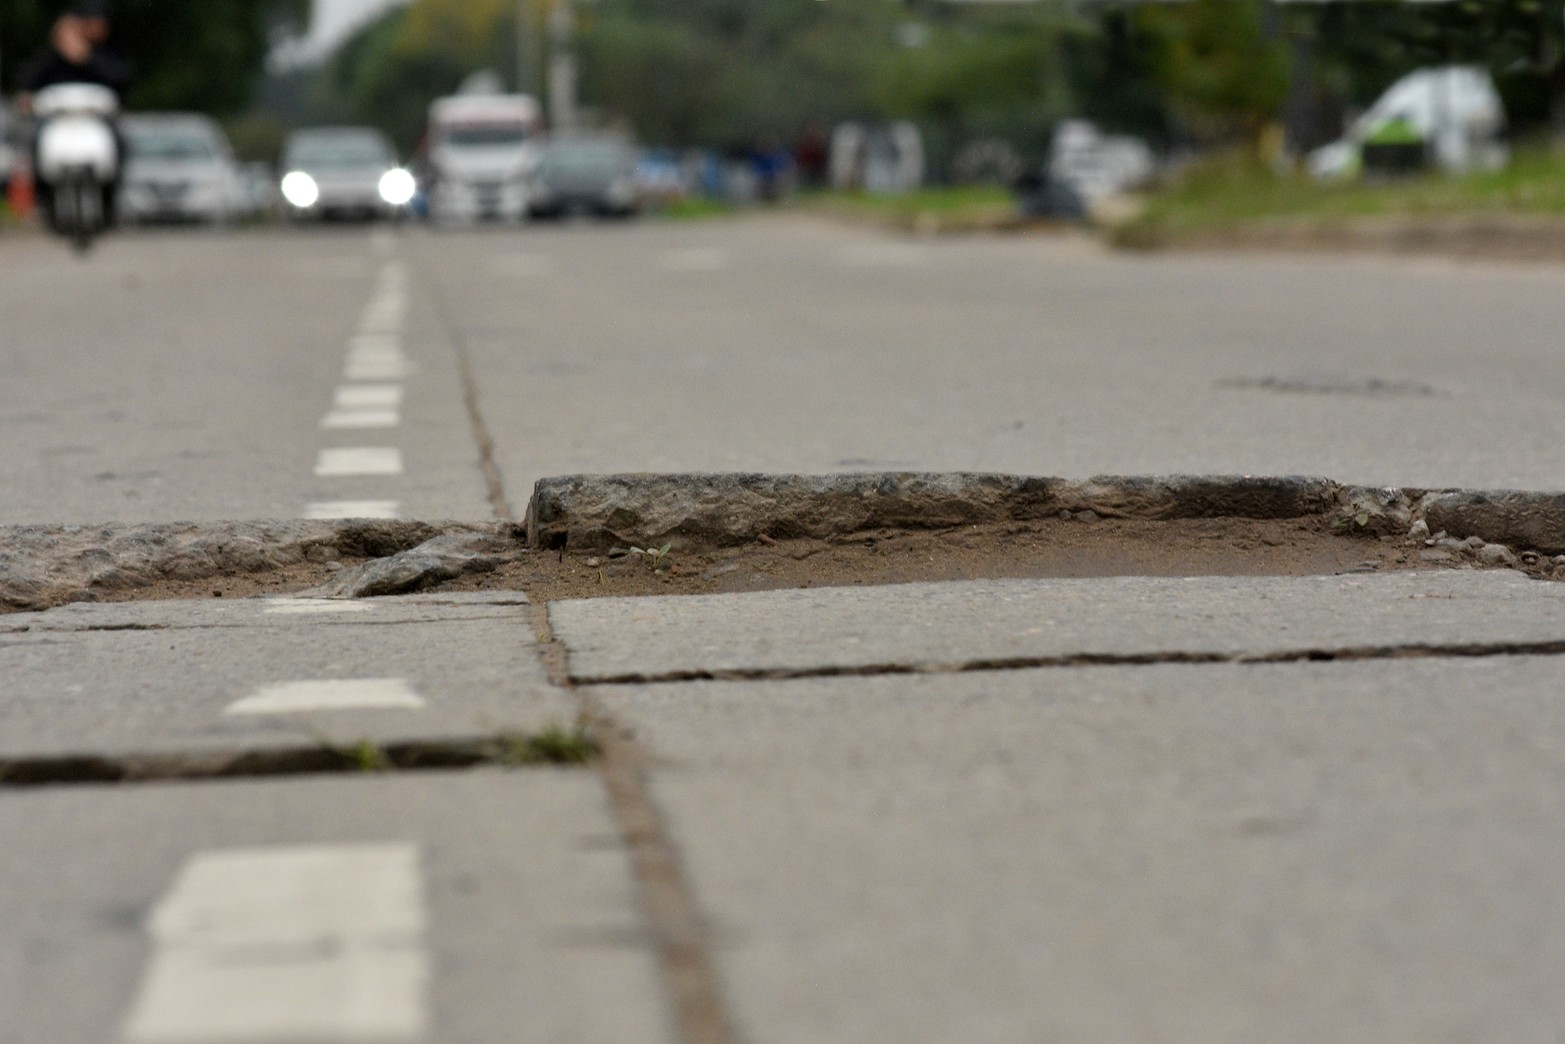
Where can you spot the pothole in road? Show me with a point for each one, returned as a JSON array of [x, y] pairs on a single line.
[[1082, 545]]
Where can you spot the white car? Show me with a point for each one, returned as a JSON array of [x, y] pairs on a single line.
[[343, 172], [180, 167]]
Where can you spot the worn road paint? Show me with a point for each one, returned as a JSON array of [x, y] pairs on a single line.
[[368, 396], [328, 509], [376, 368], [323, 694], [361, 418], [313, 606], [347, 461], [288, 943]]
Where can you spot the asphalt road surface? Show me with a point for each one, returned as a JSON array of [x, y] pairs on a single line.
[[864, 842], [184, 376]]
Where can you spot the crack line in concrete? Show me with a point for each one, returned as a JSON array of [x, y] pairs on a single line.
[[357, 621], [464, 365], [677, 927], [1476, 650]]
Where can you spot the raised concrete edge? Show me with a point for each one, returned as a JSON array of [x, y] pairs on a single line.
[[596, 512], [593, 512], [48, 565]]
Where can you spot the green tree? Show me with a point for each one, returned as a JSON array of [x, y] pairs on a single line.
[[204, 55], [1223, 76]]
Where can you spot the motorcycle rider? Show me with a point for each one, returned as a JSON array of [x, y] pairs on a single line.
[[78, 52]]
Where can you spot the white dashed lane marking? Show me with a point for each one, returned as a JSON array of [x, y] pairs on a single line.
[[325, 509], [313, 606], [324, 694], [288, 943], [347, 461], [339, 420], [367, 396], [376, 357]]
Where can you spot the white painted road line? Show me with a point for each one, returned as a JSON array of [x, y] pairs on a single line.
[[694, 259], [306, 943], [351, 509], [324, 694], [376, 367], [361, 418], [379, 344], [365, 396], [358, 460], [313, 606]]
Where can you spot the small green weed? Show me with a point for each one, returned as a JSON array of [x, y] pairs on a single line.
[[656, 557]]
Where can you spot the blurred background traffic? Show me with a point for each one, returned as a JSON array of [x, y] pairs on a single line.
[[1151, 120]]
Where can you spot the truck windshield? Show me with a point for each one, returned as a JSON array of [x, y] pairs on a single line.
[[479, 134]]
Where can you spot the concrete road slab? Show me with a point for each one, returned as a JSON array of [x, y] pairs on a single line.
[[1027, 355], [1287, 852], [517, 916], [956, 624], [278, 611], [158, 677]]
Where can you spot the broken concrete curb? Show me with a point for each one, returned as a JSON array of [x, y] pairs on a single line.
[[435, 561], [596, 512], [47, 565], [1532, 521]]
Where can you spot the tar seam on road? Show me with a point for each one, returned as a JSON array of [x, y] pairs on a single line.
[[1455, 650], [500, 750], [475, 416], [677, 926]]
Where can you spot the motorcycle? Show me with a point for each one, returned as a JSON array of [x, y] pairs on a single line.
[[78, 157]]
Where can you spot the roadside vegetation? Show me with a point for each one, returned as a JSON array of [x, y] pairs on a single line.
[[1233, 193]]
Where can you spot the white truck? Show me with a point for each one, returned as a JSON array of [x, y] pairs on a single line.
[[481, 152]]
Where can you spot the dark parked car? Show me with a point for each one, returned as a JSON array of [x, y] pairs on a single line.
[[590, 174]]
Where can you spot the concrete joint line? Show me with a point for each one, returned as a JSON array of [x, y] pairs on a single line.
[[1087, 659], [464, 363], [675, 923], [551, 747]]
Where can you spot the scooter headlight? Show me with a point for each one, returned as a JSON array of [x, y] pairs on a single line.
[[397, 187], [300, 189]]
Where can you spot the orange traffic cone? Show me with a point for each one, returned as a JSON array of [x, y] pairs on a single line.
[[19, 194]]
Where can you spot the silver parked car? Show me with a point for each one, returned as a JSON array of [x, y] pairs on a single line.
[[343, 172], [180, 167]]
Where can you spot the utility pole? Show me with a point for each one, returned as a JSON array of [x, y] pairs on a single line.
[[523, 64], [562, 66]]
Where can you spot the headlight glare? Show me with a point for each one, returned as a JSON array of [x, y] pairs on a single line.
[[397, 187], [300, 189]]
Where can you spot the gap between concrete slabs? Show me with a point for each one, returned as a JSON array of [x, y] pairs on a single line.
[[49, 565]]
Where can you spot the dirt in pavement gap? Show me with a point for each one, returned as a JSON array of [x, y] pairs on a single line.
[[1078, 547]]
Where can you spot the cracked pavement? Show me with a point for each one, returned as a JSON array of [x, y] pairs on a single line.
[[1129, 808]]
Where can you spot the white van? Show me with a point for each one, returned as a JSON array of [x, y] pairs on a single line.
[[482, 149]]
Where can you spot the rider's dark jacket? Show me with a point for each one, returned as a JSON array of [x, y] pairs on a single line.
[[50, 67]]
